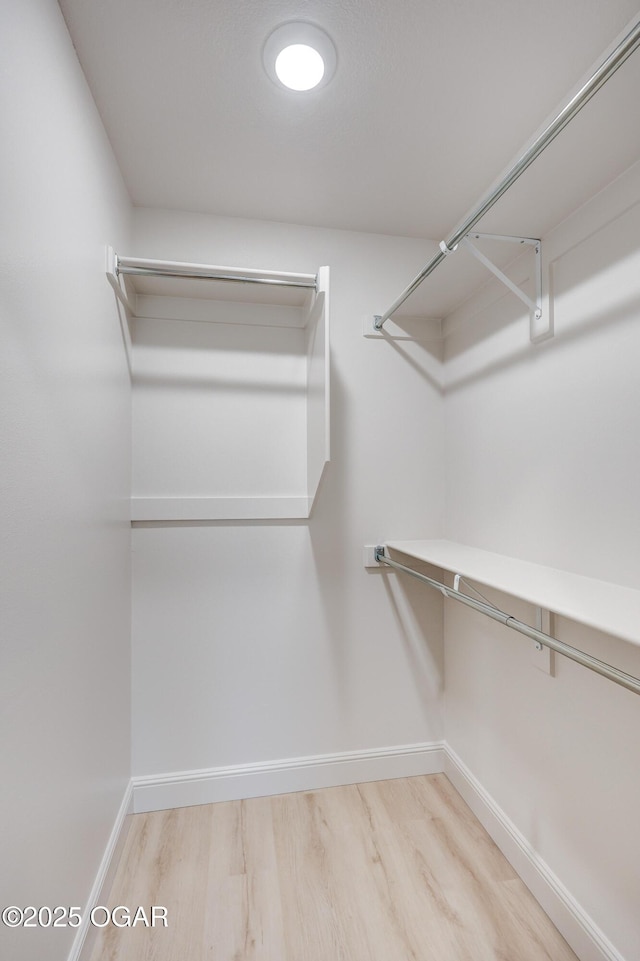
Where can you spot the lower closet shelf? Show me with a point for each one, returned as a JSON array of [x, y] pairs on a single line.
[[608, 607], [218, 508]]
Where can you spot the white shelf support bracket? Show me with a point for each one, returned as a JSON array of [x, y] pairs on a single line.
[[458, 579], [113, 277], [541, 656], [534, 305]]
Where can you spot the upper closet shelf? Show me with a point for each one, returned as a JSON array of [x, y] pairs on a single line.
[[559, 192], [175, 290], [607, 607]]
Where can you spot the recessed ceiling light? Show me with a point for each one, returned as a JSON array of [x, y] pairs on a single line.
[[299, 56], [299, 67]]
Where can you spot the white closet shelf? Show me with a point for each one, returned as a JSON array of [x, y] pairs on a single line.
[[534, 204], [218, 508], [177, 290], [608, 607], [274, 431]]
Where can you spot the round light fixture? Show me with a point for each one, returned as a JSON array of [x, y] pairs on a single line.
[[299, 67], [299, 56]]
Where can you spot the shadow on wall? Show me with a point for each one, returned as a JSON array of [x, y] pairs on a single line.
[[625, 310], [593, 283], [327, 526], [360, 627], [419, 615], [200, 337], [427, 334]]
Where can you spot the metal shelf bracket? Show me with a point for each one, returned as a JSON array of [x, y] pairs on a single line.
[[113, 276], [534, 305]]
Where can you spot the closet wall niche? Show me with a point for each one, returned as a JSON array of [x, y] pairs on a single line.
[[230, 374]]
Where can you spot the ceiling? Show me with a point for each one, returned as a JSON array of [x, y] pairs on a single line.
[[430, 101]]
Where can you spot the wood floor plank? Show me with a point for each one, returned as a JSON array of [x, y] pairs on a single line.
[[308, 860], [406, 849], [363, 891], [387, 871], [243, 905]]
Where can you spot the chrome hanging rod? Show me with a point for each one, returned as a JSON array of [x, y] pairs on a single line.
[[166, 268], [606, 69], [600, 667]]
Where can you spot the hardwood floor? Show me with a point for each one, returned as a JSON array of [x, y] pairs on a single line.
[[387, 871]]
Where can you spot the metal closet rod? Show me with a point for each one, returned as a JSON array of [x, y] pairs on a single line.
[[606, 69], [166, 268], [600, 667]]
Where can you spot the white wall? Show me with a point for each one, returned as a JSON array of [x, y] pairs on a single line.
[[64, 450], [219, 410], [543, 459], [259, 641]]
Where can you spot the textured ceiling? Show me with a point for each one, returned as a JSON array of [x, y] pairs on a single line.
[[430, 101]]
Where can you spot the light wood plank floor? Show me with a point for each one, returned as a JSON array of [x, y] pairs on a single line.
[[387, 871]]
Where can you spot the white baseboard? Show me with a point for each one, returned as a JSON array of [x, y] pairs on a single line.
[[85, 935], [185, 788], [577, 928]]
